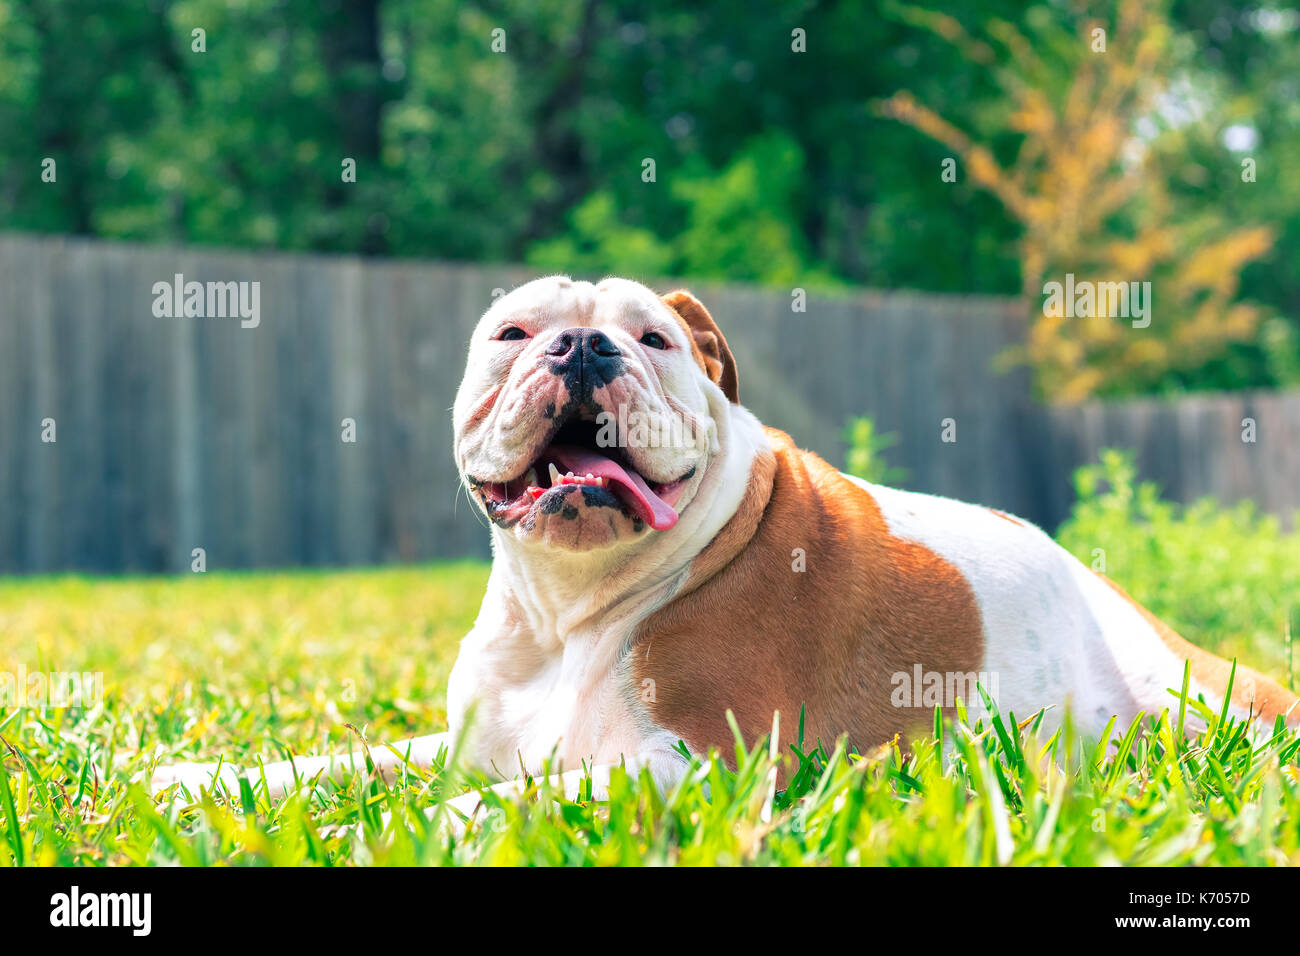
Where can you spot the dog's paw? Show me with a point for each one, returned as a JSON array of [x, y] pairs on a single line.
[[453, 818], [194, 776], [469, 809]]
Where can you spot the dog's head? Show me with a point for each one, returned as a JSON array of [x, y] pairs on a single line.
[[587, 415]]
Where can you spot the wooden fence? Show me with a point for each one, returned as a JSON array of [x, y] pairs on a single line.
[[178, 433]]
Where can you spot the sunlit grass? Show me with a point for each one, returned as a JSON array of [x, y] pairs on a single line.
[[247, 666]]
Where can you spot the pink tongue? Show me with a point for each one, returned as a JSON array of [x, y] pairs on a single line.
[[629, 486]]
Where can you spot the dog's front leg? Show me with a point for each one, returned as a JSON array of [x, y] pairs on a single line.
[[570, 785], [666, 769], [283, 777]]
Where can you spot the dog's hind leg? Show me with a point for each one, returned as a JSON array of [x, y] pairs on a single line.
[[1254, 695]]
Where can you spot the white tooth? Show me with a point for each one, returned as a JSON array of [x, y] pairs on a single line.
[[600, 482], [570, 477], [530, 479], [590, 476], [555, 474]]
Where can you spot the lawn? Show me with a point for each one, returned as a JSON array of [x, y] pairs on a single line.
[[243, 665]]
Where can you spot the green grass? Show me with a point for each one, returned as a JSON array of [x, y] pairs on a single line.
[[1226, 578], [243, 666]]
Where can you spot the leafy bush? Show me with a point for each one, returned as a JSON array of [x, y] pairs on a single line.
[[1226, 578], [736, 225], [865, 458]]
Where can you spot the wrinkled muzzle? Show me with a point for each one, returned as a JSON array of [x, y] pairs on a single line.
[[576, 427]]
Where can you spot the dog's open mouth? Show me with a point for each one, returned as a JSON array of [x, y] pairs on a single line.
[[575, 457]]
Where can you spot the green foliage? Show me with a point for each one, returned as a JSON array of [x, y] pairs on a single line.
[[740, 222], [737, 225], [242, 666], [599, 243], [1226, 578], [772, 165], [865, 457]]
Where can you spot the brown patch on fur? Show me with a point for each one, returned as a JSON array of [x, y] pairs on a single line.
[[1006, 517], [1250, 688], [750, 634], [707, 344]]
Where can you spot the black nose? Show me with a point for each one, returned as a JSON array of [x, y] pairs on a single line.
[[587, 358], [588, 340]]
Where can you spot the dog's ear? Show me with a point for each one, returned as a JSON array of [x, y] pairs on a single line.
[[713, 352]]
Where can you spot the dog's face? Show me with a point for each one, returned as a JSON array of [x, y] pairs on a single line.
[[584, 416]]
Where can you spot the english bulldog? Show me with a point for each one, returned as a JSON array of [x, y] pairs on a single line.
[[661, 558]]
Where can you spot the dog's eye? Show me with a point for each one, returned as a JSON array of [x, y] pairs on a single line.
[[512, 334], [654, 340]]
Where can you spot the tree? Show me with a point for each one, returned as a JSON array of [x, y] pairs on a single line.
[[1088, 184]]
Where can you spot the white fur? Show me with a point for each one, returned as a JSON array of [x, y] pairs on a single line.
[[1054, 632]]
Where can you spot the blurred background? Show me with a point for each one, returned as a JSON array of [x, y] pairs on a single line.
[[868, 196]]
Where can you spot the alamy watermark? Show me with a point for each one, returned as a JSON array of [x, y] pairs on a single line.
[[1085, 299], [75, 908], [51, 688], [922, 688], [209, 300], [635, 429]]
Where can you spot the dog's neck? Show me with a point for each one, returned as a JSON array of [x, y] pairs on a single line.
[[563, 594]]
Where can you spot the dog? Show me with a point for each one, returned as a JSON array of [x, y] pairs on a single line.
[[661, 559]]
